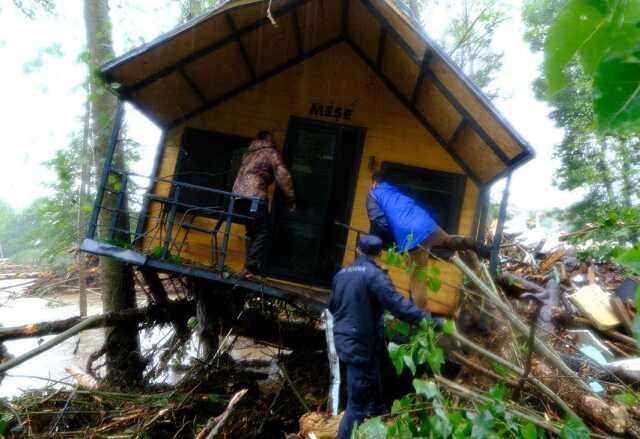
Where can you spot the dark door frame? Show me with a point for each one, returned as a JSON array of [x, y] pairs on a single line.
[[293, 123]]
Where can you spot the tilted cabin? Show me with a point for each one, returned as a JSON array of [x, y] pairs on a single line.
[[346, 86]]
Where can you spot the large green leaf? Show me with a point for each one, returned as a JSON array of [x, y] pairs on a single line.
[[617, 92], [630, 259], [372, 428], [574, 28], [427, 388], [573, 428]]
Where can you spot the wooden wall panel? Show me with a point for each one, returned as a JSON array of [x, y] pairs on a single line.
[[364, 29], [318, 22], [435, 107], [270, 47], [219, 72], [169, 53], [169, 98], [398, 67], [473, 106], [393, 134]]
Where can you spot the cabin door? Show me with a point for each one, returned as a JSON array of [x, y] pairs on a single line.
[[323, 159]]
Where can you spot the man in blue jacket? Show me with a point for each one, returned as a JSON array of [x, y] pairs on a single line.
[[400, 219], [359, 296]]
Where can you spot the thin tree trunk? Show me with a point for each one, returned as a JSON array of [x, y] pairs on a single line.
[[122, 346], [82, 218]]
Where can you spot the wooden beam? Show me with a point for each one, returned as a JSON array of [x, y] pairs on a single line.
[[192, 85], [458, 132], [297, 32], [345, 18], [243, 50], [212, 103], [127, 91], [381, 46], [426, 58], [425, 123], [428, 72]]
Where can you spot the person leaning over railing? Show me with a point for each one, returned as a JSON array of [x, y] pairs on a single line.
[[261, 165]]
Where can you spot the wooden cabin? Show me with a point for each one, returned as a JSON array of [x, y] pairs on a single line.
[[346, 86]]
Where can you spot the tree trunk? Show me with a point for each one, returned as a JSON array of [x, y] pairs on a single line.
[[122, 346]]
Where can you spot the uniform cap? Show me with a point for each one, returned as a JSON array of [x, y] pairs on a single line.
[[370, 245]]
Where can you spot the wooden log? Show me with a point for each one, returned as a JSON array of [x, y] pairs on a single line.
[[611, 416], [294, 335], [49, 344]]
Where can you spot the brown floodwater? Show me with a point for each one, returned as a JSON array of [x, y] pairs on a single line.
[[49, 367]]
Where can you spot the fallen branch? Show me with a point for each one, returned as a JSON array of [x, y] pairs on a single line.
[[49, 343], [540, 347], [471, 394], [512, 367], [214, 425]]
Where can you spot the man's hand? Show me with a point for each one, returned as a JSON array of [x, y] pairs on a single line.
[[292, 207]]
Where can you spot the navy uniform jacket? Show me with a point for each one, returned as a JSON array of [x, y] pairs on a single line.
[[360, 294]]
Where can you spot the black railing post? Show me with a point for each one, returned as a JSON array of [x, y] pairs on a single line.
[[497, 238], [115, 214], [108, 158], [172, 218], [227, 233]]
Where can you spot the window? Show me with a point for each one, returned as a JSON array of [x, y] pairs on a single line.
[[211, 160], [440, 192]]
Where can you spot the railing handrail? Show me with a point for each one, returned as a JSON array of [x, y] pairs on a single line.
[[183, 184]]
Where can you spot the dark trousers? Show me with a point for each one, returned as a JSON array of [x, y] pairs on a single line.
[[365, 396], [257, 234]]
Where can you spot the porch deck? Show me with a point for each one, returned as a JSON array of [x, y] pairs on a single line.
[[312, 297]]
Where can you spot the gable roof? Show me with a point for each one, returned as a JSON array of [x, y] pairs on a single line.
[[216, 56]]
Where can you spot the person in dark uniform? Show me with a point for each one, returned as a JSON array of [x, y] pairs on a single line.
[[360, 294]]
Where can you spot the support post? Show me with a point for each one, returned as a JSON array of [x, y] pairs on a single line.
[[115, 215], [333, 402], [172, 219], [108, 158], [497, 238], [227, 234], [144, 215]]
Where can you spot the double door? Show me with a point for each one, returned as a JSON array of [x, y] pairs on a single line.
[[323, 159]]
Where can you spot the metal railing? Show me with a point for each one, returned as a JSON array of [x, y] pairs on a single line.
[[137, 214]]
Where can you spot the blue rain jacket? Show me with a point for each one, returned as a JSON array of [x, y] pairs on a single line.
[[409, 223], [359, 295]]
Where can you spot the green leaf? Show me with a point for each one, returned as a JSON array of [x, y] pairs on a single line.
[[434, 284], [573, 428], [482, 424], [498, 392], [528, 431], [372, 428], [629, 399], [427, 388], [449, 327], [408, 360], [630, 260], [617, 92], [403, 328], [436, 360], [573, 28], [396, 354]]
